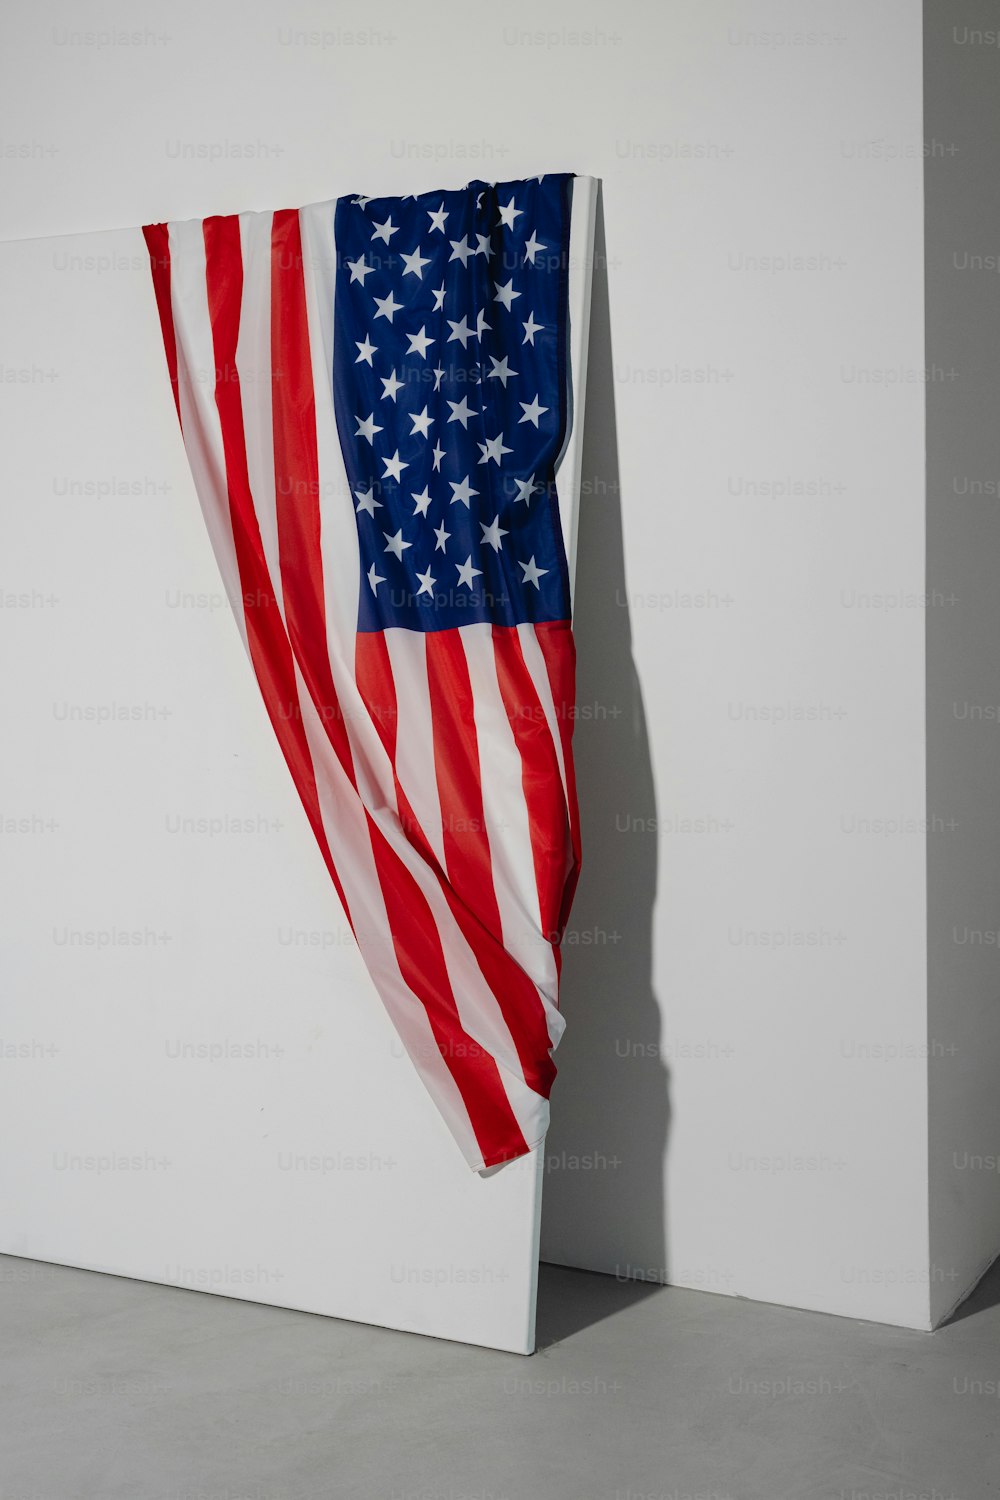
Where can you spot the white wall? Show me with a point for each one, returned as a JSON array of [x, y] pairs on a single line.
[[759, 1152], [759, 1110]]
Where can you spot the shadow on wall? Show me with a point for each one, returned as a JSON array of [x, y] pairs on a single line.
[[610, 1105]]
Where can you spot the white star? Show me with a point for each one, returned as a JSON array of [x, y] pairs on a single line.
[[532, 411], [367, 501], [386, 307], [438, 372], [442, 537], [461, 249], [501, 370], [532, 572], [492, 533], [508, 213], [525, 489], [420, 343], [359, 270], [390, 386], [362, 201], [493, 448], [367, 350], [367, 428], [384, 231], [461, 411], [532, 247], [505, 294], [394, 466], [421, 501], [438, 217], [481, 325], [397, 546], [463, 491], [414, 264], [438, 455], [460, 331], [466, 572], [483, 246], [426, 583], [421, 423], [438, 297], [374, 579], [530, 329]]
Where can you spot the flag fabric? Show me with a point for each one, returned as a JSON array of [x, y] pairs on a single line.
[[373, 395]]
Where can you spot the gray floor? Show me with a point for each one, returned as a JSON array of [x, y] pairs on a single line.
[[113, 1388]]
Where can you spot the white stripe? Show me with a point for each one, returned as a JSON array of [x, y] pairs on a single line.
[[583, 214], [200, 422], [509, 826], [253, 364], [539, 674], [415, 732], [339, 545]]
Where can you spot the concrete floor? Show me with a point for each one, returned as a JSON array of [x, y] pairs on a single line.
[[119, 1390]]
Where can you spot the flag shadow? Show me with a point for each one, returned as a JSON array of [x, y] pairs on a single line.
[[603, 1202]]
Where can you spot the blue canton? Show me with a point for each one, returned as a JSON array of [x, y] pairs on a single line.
[[450, 387]]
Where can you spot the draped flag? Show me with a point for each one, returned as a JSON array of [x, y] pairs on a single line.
[[373, 396]]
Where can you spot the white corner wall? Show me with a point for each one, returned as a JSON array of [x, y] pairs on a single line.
[[742, 1103], [743, 1095], [962, 127]]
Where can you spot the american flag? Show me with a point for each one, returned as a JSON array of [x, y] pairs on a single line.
[[373, 396]]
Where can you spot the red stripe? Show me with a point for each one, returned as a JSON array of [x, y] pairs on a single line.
[[266, 638], [515, 993], [540, 778], [468, 860], [375, 682], [373, 671], [296, 479], [559, 652], [158, 244], [421, 961], [377, 687], [456, 761]]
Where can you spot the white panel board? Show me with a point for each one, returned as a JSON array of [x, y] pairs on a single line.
[[201, 1086]]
